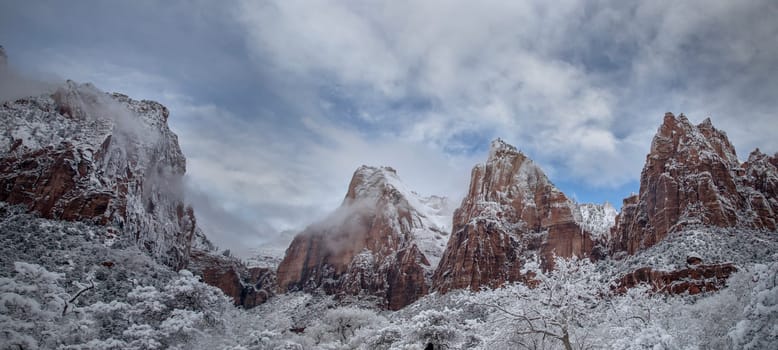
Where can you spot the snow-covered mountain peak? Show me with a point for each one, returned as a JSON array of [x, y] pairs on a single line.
[[508, 173], [82, 154], [692, 176], [512, 211], [677, 137], [384, 240], [369, 182], [376, 185], [499, 147]]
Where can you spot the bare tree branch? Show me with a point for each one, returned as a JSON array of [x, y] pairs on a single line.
[[91, 286]]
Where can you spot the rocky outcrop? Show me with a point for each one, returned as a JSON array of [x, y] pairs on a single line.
[[247, 286], [760, 184], [510, 212], [82, 155], [692, 176], [692, 280], [383, 241]]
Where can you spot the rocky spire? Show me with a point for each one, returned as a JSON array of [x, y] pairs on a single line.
[[691, 177], [511, 211]]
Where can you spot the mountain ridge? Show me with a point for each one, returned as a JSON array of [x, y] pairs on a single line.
[[78, 154]]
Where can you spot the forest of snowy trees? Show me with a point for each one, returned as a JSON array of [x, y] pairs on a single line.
[[62, 297]]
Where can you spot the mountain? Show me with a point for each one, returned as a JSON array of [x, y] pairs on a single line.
[[692, 177], [512, 210], [83, 155], [383, 241], [79, 154]]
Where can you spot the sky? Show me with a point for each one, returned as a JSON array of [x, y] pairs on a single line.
[[276, 103]]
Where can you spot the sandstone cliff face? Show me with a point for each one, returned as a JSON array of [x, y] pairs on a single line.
[[82, 155], [247, 286], [512, 211], [760, 184], [691, 280], [383, 241], [692, 177]]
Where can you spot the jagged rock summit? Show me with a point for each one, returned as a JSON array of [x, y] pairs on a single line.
[[384, 241], [83, 155], [511, 211], [692, 176]]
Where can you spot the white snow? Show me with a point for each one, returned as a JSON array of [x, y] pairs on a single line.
[[431, 216], [143, 154], [596, 219]]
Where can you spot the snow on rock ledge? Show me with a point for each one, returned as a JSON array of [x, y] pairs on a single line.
[[83, 155]]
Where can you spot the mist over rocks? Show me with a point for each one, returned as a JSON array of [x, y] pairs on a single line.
[[383, 241], [79, 154]]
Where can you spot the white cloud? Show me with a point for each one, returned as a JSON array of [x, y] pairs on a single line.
[[423, 86], [576, 84], [284, 179], [489, 68]]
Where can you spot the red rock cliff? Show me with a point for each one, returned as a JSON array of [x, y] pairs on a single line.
[[692, 177], [80, 154], [511, 210], [382, 241]]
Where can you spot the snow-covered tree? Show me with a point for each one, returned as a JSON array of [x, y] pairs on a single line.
[[759, 327], [30, 305], [434, 329], [340, 325], [554, 311], [149, 318]]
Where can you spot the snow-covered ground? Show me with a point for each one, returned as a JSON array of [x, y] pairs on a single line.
[[137, 303]]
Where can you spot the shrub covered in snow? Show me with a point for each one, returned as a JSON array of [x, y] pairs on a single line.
[[759, 327], [30, 306]]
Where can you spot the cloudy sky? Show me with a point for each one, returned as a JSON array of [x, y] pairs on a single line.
[[277, 102]]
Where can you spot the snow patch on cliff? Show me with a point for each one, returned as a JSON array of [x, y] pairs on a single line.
[[596, 219], [431, 216]]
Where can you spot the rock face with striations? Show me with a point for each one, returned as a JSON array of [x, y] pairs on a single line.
[[383, 241], [83, 155], [511, 211], [692, 176], [691, 280]]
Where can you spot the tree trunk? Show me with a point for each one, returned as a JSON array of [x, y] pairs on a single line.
[[566, 341]]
